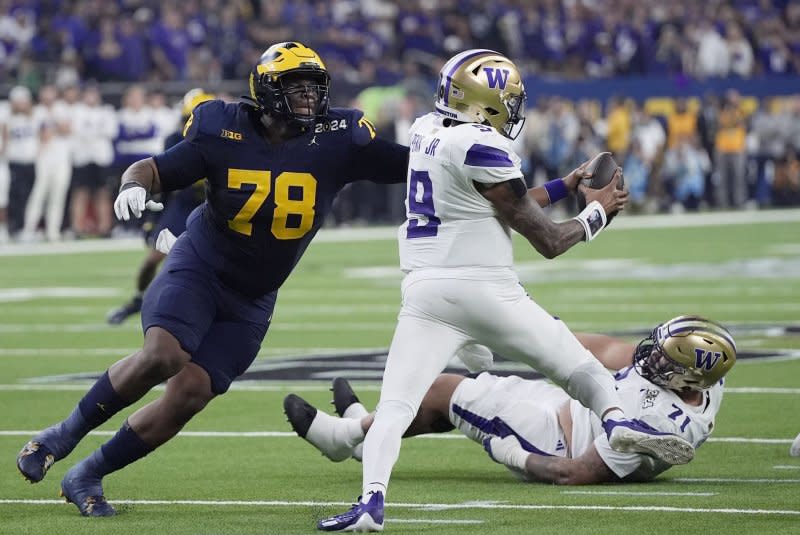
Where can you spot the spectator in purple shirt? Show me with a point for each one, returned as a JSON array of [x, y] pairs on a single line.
[[170, 44]]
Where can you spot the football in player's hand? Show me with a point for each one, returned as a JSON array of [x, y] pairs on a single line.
[[603, 166]]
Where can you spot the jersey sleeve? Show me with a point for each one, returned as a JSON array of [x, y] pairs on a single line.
[[373, 158], [363, 131], [187, 162], [489, 159]]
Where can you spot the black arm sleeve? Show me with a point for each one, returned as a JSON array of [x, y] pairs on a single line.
[[380, 161], [180, 166]]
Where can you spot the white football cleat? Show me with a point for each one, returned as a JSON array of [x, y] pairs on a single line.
[[635, 436]]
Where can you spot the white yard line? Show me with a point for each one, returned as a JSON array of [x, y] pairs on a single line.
[[289, 434], [765, 481], [337, 235], [255, 386], [10, 328], [760, 390], [787, 467], [436, 506], [636, 493]]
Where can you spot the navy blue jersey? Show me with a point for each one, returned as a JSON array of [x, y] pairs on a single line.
[[265, 202]]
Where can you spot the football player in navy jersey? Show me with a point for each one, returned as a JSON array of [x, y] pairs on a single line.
[[177, 207], [272, 166]]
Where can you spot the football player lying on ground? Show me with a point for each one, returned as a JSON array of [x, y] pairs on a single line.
[[672, 380]]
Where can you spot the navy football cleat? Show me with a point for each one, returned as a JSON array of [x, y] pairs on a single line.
[[34, 461], [85, 490], [635, 436], [39, 454], [118, 315], [363, 517], [343, 395]]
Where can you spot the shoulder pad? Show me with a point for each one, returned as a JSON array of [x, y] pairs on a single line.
[[212, 118], [350, 120], [483, 146]]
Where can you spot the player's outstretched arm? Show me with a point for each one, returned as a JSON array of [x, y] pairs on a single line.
[[612, 353], [587, 469], [525, 216]]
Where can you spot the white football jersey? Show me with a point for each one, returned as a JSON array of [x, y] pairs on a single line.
[[449, 223], [660, 408]]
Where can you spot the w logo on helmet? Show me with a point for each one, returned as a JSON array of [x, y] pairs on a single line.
[[706, 359], [497, 78]]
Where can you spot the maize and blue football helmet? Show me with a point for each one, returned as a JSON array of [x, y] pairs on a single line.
[[686, 353], [280, 63]]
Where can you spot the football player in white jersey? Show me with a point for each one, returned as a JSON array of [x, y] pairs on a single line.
[[673, 380], [465, 193]]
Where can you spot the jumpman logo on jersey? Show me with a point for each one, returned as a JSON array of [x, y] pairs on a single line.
[[313, 141]]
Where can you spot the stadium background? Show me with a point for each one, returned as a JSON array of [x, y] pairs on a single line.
[[599, 74], [689, 96]]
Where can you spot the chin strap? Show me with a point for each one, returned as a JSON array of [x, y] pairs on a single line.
[[593, 219]]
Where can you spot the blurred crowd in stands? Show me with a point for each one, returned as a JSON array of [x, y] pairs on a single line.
[[65, 139], [380, 42]]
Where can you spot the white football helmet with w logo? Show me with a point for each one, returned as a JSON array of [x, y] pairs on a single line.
[[485, 87], [686, 353]]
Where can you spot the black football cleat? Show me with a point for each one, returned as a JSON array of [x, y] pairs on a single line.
[[343, 395], [299, 413], [118, 315]]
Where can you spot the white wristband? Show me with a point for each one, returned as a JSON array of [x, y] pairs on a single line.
[[593, 219]]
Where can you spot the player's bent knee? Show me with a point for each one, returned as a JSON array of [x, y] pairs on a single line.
[[188, 392], [162, 355]]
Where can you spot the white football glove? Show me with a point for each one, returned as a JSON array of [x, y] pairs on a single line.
[[165, 241], [133, 201], [506, 451]]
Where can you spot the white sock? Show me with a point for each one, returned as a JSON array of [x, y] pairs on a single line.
[[595, 388], [348, 431], [382, 445], [373, 487], [335, 437], [358, 452], [356, 411]]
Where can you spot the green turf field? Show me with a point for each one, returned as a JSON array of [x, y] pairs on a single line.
[[255, 478]]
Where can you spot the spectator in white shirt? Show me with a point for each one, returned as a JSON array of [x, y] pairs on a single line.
[[53, 166], [95, 128]]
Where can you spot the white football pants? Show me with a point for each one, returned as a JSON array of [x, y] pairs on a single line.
[[440, 316]]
